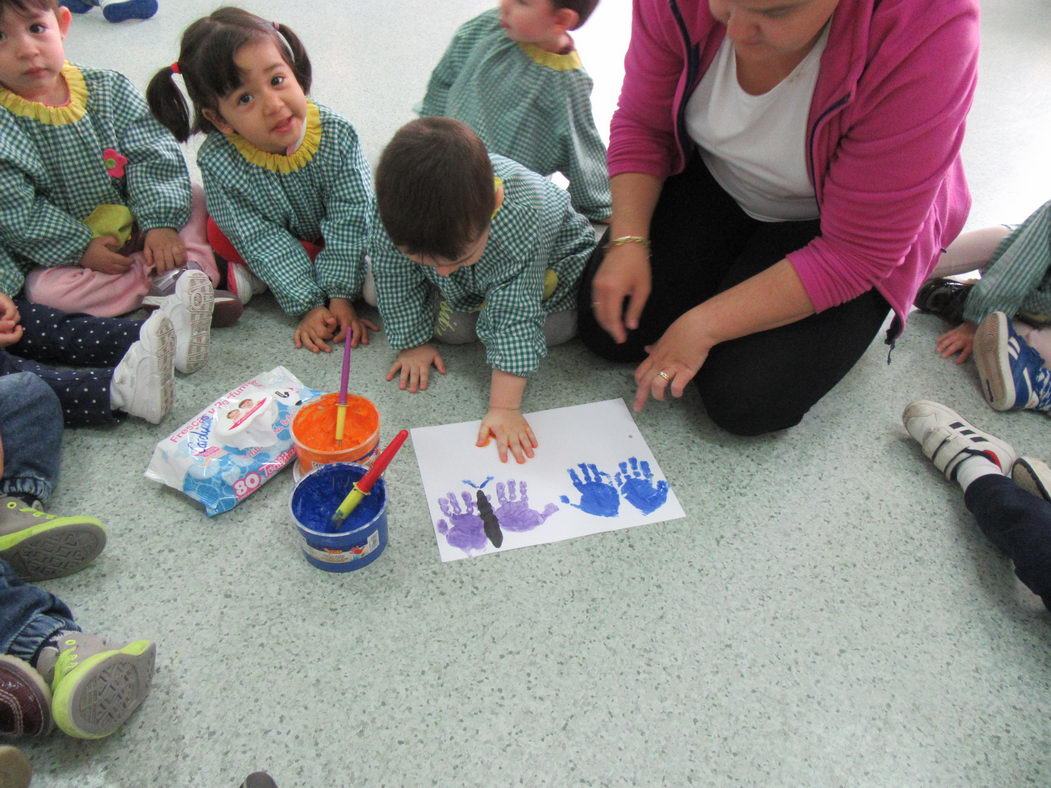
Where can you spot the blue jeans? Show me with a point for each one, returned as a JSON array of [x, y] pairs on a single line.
[[31, 431], [1019, 524]]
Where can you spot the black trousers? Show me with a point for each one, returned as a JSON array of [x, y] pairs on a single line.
[[1017, 522], [702, 244]]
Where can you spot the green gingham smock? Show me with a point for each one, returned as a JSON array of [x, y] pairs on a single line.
[[266, 203], [525, 103], [534, 229], [58, 164], [1018, 277]]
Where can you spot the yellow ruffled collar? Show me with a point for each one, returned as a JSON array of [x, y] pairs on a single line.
[[278, 162], [551, 60], [70, 112]]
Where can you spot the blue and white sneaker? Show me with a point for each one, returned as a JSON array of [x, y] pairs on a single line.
[[1013, 375]]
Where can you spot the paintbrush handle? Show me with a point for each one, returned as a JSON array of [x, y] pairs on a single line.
[[378, 467], [341, 421], [350, 503]]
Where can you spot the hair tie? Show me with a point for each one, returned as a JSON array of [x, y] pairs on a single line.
[[175, 68], [277, 26]]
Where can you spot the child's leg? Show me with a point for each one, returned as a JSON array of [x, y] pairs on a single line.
[[72, 288], [560, 327], [31, 435], [1019, 524], [29, 616], [1039, 339], [970, 251], [194, 236], [78, 339], [83, 393]]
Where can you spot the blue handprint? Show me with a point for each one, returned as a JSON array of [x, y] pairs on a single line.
[[514, 513], [637, 486], [596, 496], [467, 531]]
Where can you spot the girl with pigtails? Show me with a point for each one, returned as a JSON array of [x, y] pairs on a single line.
[[288, 189]]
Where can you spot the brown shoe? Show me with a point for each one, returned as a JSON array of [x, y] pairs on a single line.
[[25, 700]]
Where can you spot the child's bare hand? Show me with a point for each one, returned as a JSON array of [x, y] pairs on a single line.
[[348, 321], [164, 249], [316, 326], [414, 365], [958, 340], [10, 328], [511, 432], [101, 255]]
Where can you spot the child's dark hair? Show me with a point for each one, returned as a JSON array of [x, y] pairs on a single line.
[[26, 6], [434, 187], [582, 7], [206, 62]]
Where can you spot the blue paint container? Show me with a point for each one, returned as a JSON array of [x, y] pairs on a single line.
[[360, 538]]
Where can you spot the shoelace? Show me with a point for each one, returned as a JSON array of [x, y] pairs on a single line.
[[31, 510]]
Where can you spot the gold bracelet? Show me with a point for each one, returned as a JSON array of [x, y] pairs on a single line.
[[628, 239]]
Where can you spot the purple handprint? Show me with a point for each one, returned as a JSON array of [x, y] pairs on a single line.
[[514, 513], [596, 496], [636, 485], [467, 531]]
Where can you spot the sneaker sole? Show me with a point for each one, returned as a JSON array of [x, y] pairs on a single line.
[[96, 698], [1033, 476], [117, 14], [54, 548], [14, 670], [992, 359], [226, 310], [197, 295], [163, 379]]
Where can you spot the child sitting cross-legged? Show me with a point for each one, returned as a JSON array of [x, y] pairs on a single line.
[[287, 183], [96, 194], [514, 75], [500, 245]]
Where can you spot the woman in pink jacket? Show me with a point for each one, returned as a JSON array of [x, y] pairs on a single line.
[[784, 175]]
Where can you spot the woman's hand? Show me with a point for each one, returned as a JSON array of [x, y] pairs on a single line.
[[511, 432], [351, 327], [625, 273], [674, 359], [164, 249], [414, 365], [315, 327], [958, 340]]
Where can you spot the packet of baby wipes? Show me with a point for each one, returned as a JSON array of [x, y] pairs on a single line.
[[231, 448]]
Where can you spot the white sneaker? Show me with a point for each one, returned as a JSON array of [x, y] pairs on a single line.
[[242, 282], [144, 381], [948, 439], [1033, 476], [190, 310]]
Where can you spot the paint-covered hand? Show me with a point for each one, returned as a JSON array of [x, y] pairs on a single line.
[[514, 513], [465, 528], [413, 367], [597, 494], [509, 428], [350, 324], [637, 487], [163, 249]]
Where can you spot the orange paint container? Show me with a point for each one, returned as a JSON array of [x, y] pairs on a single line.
[[314, 432]]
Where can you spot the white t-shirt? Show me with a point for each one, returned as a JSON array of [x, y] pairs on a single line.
[[755, 146]]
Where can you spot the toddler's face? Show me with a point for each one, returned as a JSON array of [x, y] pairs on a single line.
[[472, 254], [531, 21], [269, 108], [31, 54]]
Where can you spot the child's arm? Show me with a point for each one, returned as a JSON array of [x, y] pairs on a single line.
[[584, 153], [157, 179], [505, 421], [435, 101], [958, 340]]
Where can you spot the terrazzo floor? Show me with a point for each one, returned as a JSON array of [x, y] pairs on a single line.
[[826, 614]]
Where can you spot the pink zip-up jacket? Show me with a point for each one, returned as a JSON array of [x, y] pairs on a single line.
[[883, 136]]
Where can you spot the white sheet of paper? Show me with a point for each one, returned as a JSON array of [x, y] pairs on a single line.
[[593, 472]]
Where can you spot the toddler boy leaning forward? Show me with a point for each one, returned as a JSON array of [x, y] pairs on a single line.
[[474, 245]]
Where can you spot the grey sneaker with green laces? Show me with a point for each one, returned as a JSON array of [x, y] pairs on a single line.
[[39, 546], [95, 685]]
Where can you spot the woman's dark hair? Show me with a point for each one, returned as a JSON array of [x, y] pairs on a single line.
[[206, 62], [434, 187]]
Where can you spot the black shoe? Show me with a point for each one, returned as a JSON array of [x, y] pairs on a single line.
[[944, 297]]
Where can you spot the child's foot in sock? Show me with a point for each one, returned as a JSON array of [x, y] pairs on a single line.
[[144, 381], [1033, 476], [39, 546], [25, 701], [190, 310], [95, 685], [948, 440], [123, 10], [1013, 376]]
